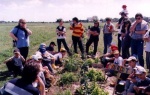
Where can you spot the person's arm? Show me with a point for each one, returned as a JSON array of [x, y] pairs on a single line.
[[141, 32], [42, 86], [13, 36], [28, 31], [8, 59], [22, 58], [132, 29]]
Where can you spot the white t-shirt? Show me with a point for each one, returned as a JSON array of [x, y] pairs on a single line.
[[61, 36], [118, 61], [147, 35], [58, 55]]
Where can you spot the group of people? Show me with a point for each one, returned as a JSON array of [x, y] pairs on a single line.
[[38, 70]]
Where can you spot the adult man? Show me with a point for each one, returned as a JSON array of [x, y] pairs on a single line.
[[94, 38], [107, 30], [20, 35], [138, 29]]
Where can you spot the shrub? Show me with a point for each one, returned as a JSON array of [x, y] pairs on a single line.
[[98, 91], [89, 62], [66, 92], [95, 75], [68, 78]]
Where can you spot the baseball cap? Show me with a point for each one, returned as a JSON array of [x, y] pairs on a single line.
[[131, 58], [16, 51], [139, 70], [42, 45], [62, 50], [53, 43], [36, 57]]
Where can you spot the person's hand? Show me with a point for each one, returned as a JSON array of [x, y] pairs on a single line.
[[136, 89], [133, 80]]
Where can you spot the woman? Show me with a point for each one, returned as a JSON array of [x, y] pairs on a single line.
[[126, 39], [94, 38], [77, 35], [20, 35]]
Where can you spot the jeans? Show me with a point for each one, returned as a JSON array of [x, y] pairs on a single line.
[[107, 42], [137, 49], [148, 60], [77, 40], [129, 86], [119, 42], [89, 42], [59, 41], [125, 48], [24, 52]]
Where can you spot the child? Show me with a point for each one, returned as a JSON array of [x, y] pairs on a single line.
[[123, 12], [147, 49], [14, 63], [50, 48]]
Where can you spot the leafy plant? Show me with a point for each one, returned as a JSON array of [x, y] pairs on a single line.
[[68, 78], [95, 75], [98, 91], [89, 62]]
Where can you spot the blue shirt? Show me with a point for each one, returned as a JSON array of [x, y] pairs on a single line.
[[137, 29], [23, 41]]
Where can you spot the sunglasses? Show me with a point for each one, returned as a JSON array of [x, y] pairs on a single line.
[[137, 18], [23, 22]]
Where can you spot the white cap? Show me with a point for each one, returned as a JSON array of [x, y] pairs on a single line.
[[131, 58], [139, 70], [36, 57]]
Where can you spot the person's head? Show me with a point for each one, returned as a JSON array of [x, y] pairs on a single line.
[[147, 90], [116, 53], [139, 17], [127, 23], [108, 20], [52, 44], [22, 23], [16, 53], [75, 20], [96, 23], [60, 21], [63, 51], [132, 61], [30, 72], [140, 72], [124, 7]]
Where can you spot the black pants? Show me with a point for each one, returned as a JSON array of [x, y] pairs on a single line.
[[125, 48], [24, 52], [59, 41], [119, 42], [89, 42], [77, 40]]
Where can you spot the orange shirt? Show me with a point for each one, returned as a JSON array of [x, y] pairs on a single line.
[[77, 30]]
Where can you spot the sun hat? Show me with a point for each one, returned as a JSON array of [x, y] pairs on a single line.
[[131, 58], [139, 70], [62, 50]]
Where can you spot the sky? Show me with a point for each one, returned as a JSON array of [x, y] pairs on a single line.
[[50, 10]]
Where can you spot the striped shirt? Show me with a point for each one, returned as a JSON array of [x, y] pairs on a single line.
[[77, 30], [105, 28]]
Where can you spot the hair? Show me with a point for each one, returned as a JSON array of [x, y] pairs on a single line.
[[139, 14], [124, 26], [30, 72], [108, 18], [76, 19]]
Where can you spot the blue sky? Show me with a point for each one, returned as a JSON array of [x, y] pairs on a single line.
[[50, 10]]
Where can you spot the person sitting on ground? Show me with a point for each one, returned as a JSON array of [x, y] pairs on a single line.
[[59, 57], [132, 78], [50, 48], [23, 85], [14, 63], [108, 57], [147, 90], [118, 61], [144, 81]]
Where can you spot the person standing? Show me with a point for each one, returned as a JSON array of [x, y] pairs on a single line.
[[138, 29], [147, 49], [61, 36], [120, 24], [77, 35], [20, 35], [94, 37], [126, 39], [107, 30]]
